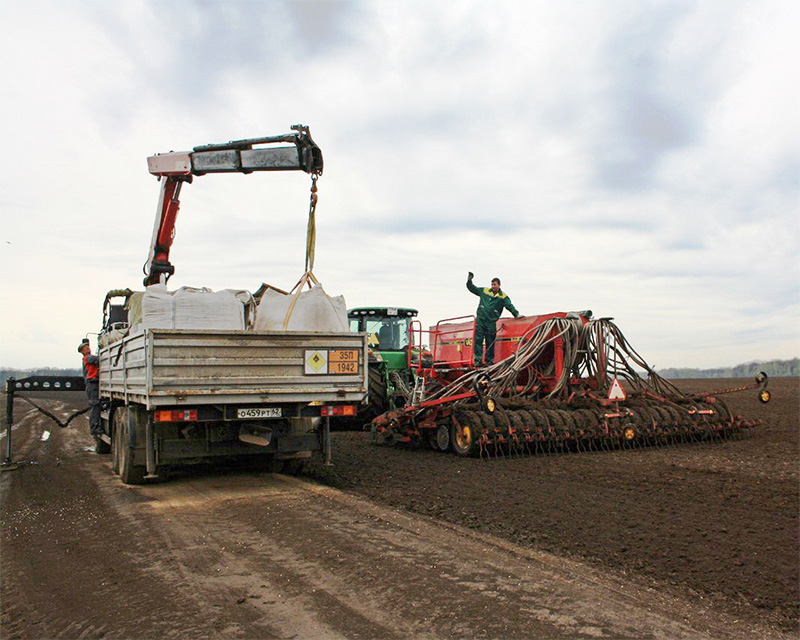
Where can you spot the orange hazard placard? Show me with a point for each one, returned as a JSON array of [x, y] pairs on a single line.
[[343, 361], [616, 392]]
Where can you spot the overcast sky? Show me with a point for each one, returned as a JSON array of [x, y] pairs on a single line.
[[640, 159]]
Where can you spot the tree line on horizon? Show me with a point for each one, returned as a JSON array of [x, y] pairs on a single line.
[[773, 368]]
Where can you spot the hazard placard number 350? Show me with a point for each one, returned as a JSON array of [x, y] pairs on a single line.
[[331, 361], [343, 361]]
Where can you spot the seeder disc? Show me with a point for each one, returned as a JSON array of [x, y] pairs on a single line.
[[629, 433]]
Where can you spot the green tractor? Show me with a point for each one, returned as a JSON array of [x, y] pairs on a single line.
[[391, 380]]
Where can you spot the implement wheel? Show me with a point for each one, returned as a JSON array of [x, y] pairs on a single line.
[[463, 436], [441, 438]]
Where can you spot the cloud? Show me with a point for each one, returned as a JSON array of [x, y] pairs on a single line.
[[640, 159]]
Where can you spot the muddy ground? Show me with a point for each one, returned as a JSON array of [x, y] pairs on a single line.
[[699, 540], [719, 520]]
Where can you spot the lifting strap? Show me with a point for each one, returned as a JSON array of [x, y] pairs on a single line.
[[311, 239]]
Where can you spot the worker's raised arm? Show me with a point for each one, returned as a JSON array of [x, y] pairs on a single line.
[[471, 286]]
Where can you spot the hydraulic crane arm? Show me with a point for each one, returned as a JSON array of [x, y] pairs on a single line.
[[238, 156]]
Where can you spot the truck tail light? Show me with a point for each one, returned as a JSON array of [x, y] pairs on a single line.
[[176, 415], [338, 410]]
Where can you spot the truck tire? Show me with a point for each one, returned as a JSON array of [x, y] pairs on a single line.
[[129, 473], [293, 467]]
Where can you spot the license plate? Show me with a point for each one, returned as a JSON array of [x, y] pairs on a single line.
[[254, 413]]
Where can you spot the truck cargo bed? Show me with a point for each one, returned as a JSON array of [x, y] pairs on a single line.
[[168, 367]]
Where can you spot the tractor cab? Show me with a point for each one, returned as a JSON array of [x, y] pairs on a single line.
[[391, 381], [387, 330]]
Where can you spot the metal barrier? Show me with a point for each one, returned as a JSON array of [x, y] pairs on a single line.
[[37, 384]]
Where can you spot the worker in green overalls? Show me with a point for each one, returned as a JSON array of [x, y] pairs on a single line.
[[492, 302]]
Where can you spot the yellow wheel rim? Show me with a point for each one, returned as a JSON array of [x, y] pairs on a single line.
[[629, 433], [464, 436], [490, 405], [764, 396]]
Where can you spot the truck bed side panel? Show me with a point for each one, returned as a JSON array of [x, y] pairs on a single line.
[[160, 367]]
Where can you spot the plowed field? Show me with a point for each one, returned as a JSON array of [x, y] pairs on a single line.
[[718, 519], [697, 540]]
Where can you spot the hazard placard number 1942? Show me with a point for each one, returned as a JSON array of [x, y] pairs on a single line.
[[343, 361]]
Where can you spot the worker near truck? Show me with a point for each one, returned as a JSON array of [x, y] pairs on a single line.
[[92, 384], [492, 302]]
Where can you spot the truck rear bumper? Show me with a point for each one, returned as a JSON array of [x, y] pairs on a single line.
[[177, 451]]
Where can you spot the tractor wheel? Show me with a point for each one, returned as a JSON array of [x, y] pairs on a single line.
[[377, 391], [463, 435], [129, 473]]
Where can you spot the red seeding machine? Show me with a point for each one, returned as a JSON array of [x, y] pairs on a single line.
[[562, 382]]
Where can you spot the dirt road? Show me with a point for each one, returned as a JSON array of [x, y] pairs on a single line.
[[405, 551]]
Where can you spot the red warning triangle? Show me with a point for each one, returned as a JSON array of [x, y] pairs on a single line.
[[616, 392]]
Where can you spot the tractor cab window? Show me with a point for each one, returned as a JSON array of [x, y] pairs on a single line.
[[384, 334]]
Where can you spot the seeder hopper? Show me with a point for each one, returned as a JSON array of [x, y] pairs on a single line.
[[562, 382]]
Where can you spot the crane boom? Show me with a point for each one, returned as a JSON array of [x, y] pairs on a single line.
[[237, 156]]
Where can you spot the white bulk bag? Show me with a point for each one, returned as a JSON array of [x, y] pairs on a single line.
[[190, 308], [314, 310]]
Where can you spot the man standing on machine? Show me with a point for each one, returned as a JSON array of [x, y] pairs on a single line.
[[492, 302]]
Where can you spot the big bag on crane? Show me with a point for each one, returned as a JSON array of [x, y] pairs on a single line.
[[314, 310], [190, 308]]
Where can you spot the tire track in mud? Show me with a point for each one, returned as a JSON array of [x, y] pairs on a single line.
[[71, 566], [265, 587], [302, 559], [254, 555]]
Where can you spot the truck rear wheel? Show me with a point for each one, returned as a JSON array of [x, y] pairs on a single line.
[[129, 473], [293, 467]]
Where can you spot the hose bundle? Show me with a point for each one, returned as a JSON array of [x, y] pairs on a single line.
[[596, 349]]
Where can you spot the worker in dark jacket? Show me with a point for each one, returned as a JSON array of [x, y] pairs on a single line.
[[92, 383], [492, 302]]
